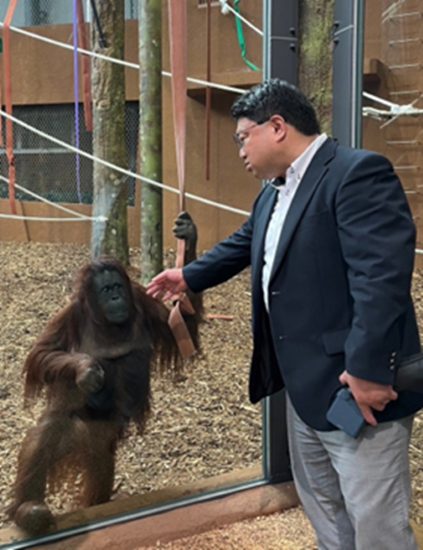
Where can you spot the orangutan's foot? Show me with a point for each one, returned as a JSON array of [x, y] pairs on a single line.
[[34, 517]]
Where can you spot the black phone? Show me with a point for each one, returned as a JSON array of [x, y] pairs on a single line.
[[345, 414]]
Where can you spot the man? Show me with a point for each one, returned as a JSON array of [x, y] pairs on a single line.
[[331, 245]]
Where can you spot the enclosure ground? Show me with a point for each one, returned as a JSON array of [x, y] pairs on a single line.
[[202, 424]]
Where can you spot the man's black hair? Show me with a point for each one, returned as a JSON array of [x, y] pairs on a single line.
[[277, 97]]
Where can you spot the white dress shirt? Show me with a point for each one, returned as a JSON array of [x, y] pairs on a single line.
[[286, 194]]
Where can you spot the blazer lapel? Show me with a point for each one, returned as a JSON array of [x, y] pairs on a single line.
[[313, 176]]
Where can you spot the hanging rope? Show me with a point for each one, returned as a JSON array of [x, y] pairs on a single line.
[[8, 104], [86, 69], [178, 61], [241, 39], [76, 96]]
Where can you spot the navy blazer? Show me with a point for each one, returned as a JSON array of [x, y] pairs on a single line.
[[339, 291]]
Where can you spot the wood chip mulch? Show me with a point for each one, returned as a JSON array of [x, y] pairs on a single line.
[[202, 426]]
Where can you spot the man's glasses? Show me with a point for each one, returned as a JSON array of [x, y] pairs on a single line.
[[240, 137]]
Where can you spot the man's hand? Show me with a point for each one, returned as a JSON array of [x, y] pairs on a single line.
[[167, 285], [368, 395]]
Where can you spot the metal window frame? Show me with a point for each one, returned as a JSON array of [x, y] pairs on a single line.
[[348, 72], [281, 60]]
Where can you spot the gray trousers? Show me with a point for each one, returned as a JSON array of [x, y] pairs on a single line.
[[356, 492]]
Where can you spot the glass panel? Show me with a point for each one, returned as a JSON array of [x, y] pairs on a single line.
[[202, 434]]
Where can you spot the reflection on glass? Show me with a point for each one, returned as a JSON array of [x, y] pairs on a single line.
[[202, 432]]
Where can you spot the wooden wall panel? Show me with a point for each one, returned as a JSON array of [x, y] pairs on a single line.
[[394, 36]]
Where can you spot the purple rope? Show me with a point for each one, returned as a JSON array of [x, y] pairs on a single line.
[[76, 95]]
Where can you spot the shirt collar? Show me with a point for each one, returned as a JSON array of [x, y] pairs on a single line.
[[301, 163]]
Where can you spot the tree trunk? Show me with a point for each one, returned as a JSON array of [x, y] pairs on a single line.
[[150, 139], [315, 56], [108, 92]]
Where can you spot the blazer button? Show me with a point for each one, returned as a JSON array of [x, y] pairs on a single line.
[[275, 292], [282, 337]]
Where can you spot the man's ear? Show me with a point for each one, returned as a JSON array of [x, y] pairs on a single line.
[[279, 127]]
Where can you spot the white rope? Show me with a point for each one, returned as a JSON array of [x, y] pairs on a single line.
[[394, 112], [225, 7], [379, 100], [65, 46], [210, 84], [78, 217], [390, 11], [120, 169], [42, 219], [43, 199], [117, 61]]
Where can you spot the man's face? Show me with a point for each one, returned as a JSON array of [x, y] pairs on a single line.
[[257, 147]]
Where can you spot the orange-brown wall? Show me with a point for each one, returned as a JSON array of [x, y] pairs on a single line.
[[392, 47]]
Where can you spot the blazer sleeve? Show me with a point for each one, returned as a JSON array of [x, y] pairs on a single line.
[[222, 262], [230, 256], [378, 238]]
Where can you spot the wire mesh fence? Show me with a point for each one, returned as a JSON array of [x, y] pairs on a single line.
[[50, 170], [54, 172]]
